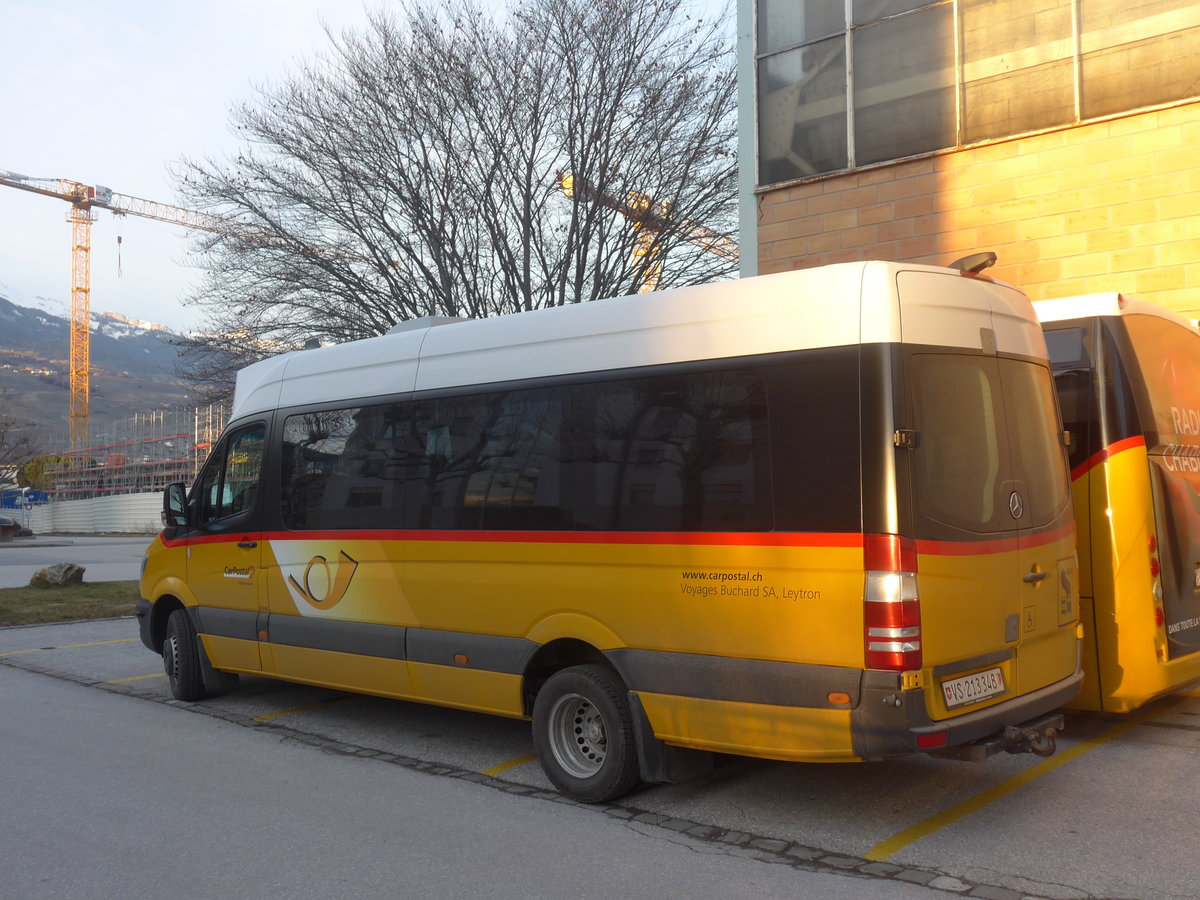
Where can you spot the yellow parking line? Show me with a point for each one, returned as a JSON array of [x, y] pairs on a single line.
[[136, 678], [69, 646], [299, 709], [902, 839], [505, 766]]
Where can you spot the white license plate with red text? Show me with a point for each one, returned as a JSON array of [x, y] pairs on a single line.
[[973, 688]]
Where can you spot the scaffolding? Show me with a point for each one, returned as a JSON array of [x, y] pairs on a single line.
[[136, 455]]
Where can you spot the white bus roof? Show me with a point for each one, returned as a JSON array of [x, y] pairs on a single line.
[[830, 306], [1111, 303]]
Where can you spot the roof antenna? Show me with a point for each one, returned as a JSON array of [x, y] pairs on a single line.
[[975, 263]]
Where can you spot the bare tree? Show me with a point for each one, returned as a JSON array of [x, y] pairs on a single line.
[[412, 170]]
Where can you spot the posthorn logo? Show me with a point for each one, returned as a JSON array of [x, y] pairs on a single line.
[[324, 586]]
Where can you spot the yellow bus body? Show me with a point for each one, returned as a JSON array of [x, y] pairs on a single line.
[[1127, 374], [734, 518]]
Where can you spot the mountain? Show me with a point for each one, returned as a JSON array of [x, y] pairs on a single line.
[[133, 366]]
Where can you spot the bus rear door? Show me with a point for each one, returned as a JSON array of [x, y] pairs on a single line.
[[994, 536]]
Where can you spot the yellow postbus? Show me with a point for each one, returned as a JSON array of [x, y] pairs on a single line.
[[817, 516], [1128, 379]]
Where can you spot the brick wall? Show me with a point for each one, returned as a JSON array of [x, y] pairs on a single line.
[[1109, 206]]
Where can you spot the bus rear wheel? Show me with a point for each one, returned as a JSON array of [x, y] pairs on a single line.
[[583, 734], [181, 658]]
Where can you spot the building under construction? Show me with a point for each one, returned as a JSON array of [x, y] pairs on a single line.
[[137, 455]]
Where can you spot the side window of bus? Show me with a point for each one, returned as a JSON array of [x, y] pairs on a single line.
[[671, 453], [661, 453], [345, 468], [228, 486], [492, 461], [1070, 359]]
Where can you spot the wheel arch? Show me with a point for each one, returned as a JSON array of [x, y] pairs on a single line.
[[160, 612], [553, 657]]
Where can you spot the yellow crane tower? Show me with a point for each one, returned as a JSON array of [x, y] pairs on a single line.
[[649, 219], [84, 200]]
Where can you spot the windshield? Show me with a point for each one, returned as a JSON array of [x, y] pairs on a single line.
[[1168, 356]]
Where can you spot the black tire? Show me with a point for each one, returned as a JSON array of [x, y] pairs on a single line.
[[583, 734], [181, 658]]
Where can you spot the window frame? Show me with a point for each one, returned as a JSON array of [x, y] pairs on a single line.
[[1079, 53], [217, 466]]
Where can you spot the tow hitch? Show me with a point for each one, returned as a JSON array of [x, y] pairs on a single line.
[[1039, 736], [1034, 737]]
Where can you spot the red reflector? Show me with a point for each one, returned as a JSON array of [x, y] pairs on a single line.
[[904, 614], [889, 553], [933, 741], [1160, 617], [1155, 568], [1153, 542]]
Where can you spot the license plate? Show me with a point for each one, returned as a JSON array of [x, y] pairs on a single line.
[[973, 688]]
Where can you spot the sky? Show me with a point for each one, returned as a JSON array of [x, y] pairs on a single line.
[[112, 93]]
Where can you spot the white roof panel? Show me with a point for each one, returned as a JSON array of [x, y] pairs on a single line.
[[839, 305]]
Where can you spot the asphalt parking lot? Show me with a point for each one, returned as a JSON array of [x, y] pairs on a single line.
[[1111, 815]]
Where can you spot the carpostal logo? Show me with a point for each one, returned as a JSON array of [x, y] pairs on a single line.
[[326, 589], [245, 573]]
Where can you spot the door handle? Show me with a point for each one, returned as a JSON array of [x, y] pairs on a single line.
[[1033, 577], [250, 545]]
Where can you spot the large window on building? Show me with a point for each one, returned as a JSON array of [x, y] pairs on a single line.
[[846, 84]]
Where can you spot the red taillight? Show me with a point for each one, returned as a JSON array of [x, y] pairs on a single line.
[[1160, 617], [1155, 568], [889, 553], [933, 741], [891, 607]]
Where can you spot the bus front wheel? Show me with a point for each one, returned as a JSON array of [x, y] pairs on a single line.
[[583, 734], [181, 658]]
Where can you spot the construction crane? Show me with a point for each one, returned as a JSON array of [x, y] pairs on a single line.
[[84, 200], [649, 219]]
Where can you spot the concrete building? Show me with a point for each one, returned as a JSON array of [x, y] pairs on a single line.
[[1062, 134]]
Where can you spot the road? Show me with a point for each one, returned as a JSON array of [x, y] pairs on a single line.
[[307, 791], [104, 557], [116, 797]]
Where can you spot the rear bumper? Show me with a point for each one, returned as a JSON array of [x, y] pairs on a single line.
[[891, 722]]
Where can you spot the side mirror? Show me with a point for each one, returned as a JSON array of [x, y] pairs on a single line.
[[174, 512]]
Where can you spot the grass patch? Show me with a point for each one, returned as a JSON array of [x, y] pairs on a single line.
[[67, 603]]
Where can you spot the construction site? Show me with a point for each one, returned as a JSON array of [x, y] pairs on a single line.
[[141, 454]]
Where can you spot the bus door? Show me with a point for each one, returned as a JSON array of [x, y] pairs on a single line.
[[1038, 500], [993, 528], [224, 555]]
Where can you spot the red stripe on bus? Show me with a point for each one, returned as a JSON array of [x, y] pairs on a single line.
[[659, 538], [1107, 453], [722, 539], [997, 545]]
